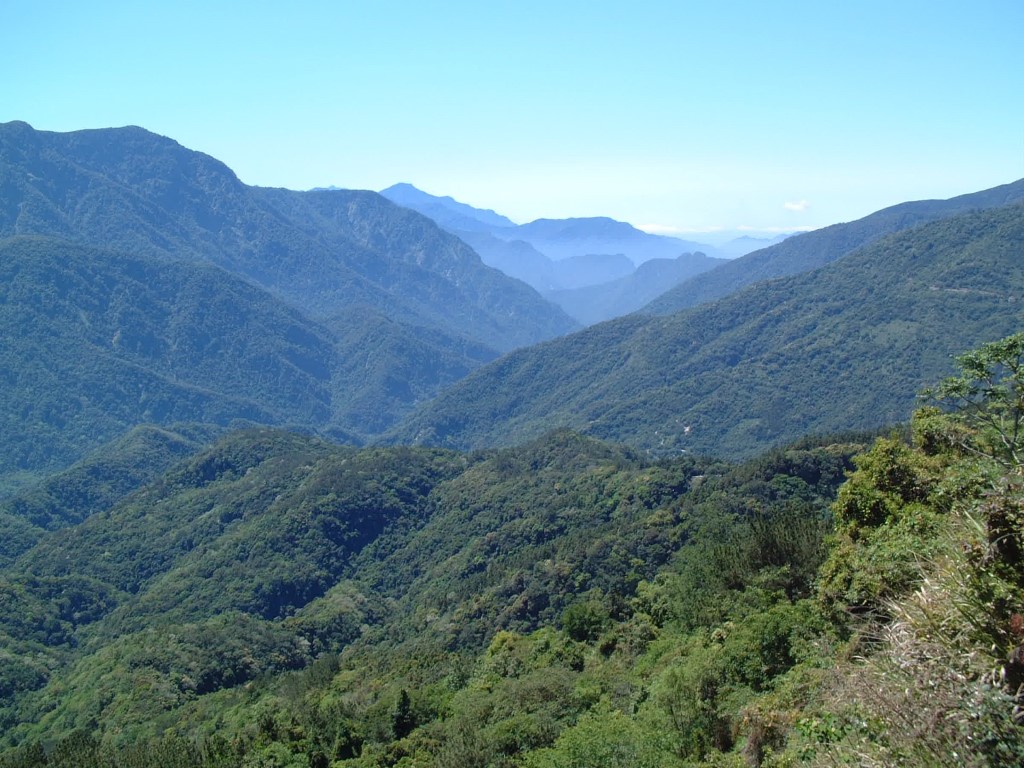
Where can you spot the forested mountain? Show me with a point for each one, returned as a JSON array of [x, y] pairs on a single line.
[[276, 600], [130, 190], [195, 573], [97, 342], [95, 483], [845, 346], [143, 282], [269, 549], [811, 250]]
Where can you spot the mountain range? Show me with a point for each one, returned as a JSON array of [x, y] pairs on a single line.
[[294, 479], [142, 282], [130, 190], [587, 266], [847, 345]]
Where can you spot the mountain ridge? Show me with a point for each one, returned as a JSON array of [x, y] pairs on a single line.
[[763, 365], [132, 190]]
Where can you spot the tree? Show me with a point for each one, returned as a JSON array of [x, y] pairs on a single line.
[[988, 396]]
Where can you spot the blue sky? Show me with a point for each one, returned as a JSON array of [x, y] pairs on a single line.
[[675, 116]]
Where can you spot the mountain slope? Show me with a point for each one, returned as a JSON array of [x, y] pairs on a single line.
[[605, 301], [131, 190], [96, 342], [811, 250], [846, 346]]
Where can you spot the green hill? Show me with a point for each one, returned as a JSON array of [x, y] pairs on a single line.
[[277, 600], [846, 346], [95, 483]]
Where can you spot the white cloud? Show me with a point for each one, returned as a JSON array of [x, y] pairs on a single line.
[[798, 205]]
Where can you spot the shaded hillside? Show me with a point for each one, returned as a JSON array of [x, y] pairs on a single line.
[[131, 190], [596, 303], [811, 250], [96, 342], [846, 346]]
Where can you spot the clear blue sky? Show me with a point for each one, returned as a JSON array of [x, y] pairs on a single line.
[[684, 115]]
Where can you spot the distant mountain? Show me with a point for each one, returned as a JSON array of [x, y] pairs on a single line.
[[563, 238], [96, 342], [516, 258], [800, 253], [130, 190], [447, 212], [845, 346], [741, 246], [605, 301], [559, 256]]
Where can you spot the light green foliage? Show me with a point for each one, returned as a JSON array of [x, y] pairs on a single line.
[[988, 397], [607, 738]]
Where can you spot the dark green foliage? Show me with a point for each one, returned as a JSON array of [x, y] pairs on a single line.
[[844, 347]]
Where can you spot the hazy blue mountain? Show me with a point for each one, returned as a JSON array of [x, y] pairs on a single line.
[[130, 190], [447, 212], [741, 246], [563, 238], [803, 252], [596, 303], [845, 346], [592, 269], [516, 258]]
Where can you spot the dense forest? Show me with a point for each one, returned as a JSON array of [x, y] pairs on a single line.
[[276, 600]]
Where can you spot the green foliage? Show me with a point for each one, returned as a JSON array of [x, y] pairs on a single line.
[[988, 397]]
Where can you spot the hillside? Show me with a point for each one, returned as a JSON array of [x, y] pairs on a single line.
[[845, 346], [98, 342], [811, 250], [95, 483], [267, 550], [130, 190], [276, 600]]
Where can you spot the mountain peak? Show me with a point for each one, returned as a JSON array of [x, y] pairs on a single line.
[[446, 211]]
